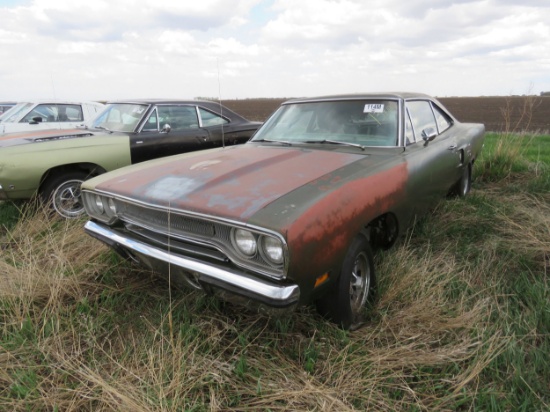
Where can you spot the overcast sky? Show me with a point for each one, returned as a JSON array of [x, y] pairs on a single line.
[[116, 49]]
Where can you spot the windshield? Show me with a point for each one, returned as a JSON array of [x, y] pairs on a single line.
[[14, 114], [357, 122], [120, 117]]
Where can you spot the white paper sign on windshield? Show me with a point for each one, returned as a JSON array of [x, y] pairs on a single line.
[[374, 108]]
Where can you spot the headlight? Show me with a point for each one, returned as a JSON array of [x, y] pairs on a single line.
[[103, 208], [99, 204], [272, 249], [111, 207], [244, 241]]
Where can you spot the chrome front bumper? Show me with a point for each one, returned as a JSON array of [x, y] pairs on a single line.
[[197, 273]]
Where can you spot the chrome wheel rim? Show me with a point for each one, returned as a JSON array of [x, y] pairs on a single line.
[[66, 199], [360, 282]]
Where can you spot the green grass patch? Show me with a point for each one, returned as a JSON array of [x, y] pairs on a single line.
[[9, 214]]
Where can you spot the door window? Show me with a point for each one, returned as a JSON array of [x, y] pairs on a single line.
[[55, 113], [443, 121], [178, 117], [422, 116], [409, 132], [152, 124]]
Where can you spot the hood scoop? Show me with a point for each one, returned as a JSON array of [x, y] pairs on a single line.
[[63, 137]]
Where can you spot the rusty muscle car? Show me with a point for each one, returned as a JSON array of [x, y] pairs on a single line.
[[291, 217], [53, 163]]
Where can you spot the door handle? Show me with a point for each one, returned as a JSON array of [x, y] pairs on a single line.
[[452, 147]]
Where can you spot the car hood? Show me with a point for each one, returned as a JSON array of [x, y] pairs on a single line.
[[41, 136], [231, 183]]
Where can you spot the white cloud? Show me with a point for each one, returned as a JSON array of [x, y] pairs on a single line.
[[108, 49]]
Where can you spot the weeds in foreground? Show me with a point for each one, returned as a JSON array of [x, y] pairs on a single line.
[[462, 322]]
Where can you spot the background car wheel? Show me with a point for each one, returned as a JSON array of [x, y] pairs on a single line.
[[355, 287], [62, 193]]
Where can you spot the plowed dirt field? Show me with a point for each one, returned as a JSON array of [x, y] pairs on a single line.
[[501, 113]]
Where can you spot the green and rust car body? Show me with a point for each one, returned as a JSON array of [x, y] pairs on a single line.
[[291, 217]]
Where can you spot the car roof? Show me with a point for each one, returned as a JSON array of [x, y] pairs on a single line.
[[209, 104], [39, 102], [363, 96], [57, 101], [163, 101]]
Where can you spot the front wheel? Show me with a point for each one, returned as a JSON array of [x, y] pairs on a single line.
[[62, 193], [355, 287]]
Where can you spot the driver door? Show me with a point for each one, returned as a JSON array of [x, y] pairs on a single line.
[[168, 130], [433, 161]]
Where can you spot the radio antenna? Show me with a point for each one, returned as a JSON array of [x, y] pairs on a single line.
[[220, 99]]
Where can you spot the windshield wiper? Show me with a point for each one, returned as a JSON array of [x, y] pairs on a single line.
[[283, 142], [335, 142]]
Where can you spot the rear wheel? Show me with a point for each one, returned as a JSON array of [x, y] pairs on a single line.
[[355, 287], [62, 194], [465, 183]]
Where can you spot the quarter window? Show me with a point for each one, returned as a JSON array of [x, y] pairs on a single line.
[[210, 119]]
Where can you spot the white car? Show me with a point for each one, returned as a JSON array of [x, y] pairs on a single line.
[[30, 116], [5, 106]]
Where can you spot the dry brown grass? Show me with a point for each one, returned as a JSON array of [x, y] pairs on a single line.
[[83, 331]]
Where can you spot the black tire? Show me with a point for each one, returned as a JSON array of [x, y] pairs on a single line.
[[355, 287], [465, 183], [62, 194]]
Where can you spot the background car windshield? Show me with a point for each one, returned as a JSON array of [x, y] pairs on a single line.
[[120, 117], [364, 122], [13, 115]]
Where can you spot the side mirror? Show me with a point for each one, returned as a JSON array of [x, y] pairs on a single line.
[[166, 128], [36, 120], [428, 134]]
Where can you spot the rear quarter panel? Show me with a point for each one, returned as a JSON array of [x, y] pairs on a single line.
[[473, 136]]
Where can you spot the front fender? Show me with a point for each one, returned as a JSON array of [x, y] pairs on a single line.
[[23, 167]]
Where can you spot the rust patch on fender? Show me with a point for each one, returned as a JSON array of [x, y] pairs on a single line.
[[320, 237]]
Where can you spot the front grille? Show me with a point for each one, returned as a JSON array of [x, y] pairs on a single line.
[[161, 220], [193, 230]]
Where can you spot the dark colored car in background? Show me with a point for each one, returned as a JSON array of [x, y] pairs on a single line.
[[53, 163], [292, 216]]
